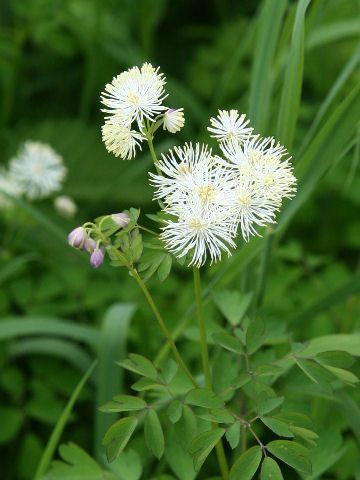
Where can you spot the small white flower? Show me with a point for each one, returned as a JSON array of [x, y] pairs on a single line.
[[135, 94], [38, 170], [251, 207], [202, 232], [9, 186], [65, 206], [173, 120], [178, 167], [119, 139], [228, 125]]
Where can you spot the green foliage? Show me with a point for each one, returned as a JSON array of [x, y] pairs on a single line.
[[117, 437], [246, 465], [201, 446]]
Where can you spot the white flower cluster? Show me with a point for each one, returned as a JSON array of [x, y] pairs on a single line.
[[37, 171], [136, 95], [212, 197]]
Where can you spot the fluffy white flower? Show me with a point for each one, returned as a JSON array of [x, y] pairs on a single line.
[[251, 208], [228, 125], [202, 232], [120, 139], [261, 160], [135, 94], [177, 167], [197, 191], [38, 170], [9, 186], [173, 120]]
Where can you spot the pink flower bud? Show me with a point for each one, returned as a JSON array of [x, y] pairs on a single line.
[[77, 237], [122, 219], [97, 258]]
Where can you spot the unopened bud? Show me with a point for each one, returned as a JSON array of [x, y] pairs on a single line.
[[89, 245], [122, 219], [77, 237], [173, 120], [65, 206], [97, 258]]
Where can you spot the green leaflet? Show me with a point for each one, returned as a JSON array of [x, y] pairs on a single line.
[[291, 453], [202, 445], [202, 397], [246, 465], [270, 470], [118, 435], [154, 436]]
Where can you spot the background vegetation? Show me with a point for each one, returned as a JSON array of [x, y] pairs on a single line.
[[58, 314]]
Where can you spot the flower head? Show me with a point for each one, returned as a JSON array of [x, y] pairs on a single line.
[[8, 185], [196, 190], [228, 125], [120, 139], [173, 120], [250, 207], [135, 94], [38, 170], [261, 160]]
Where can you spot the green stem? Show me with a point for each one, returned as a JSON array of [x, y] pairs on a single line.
[[265, 263], [206, 367], [156, 312], [152, 150], [202, 328]]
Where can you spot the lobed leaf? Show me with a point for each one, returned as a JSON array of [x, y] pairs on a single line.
[[117, 437], [124, 403]]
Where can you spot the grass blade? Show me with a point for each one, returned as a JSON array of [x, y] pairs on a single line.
[[60, 425], [291, 93], [272, 12], [323, 152], [12, 327], [113, 340], [52, 347], [335, 89]]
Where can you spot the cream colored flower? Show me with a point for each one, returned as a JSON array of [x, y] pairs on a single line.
[[228, 125], [135, 94], [119, 139]]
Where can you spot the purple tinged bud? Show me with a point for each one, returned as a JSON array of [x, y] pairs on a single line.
[[97, 258], [77, 237], [171, 110], [122, 219], [89, 245]]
